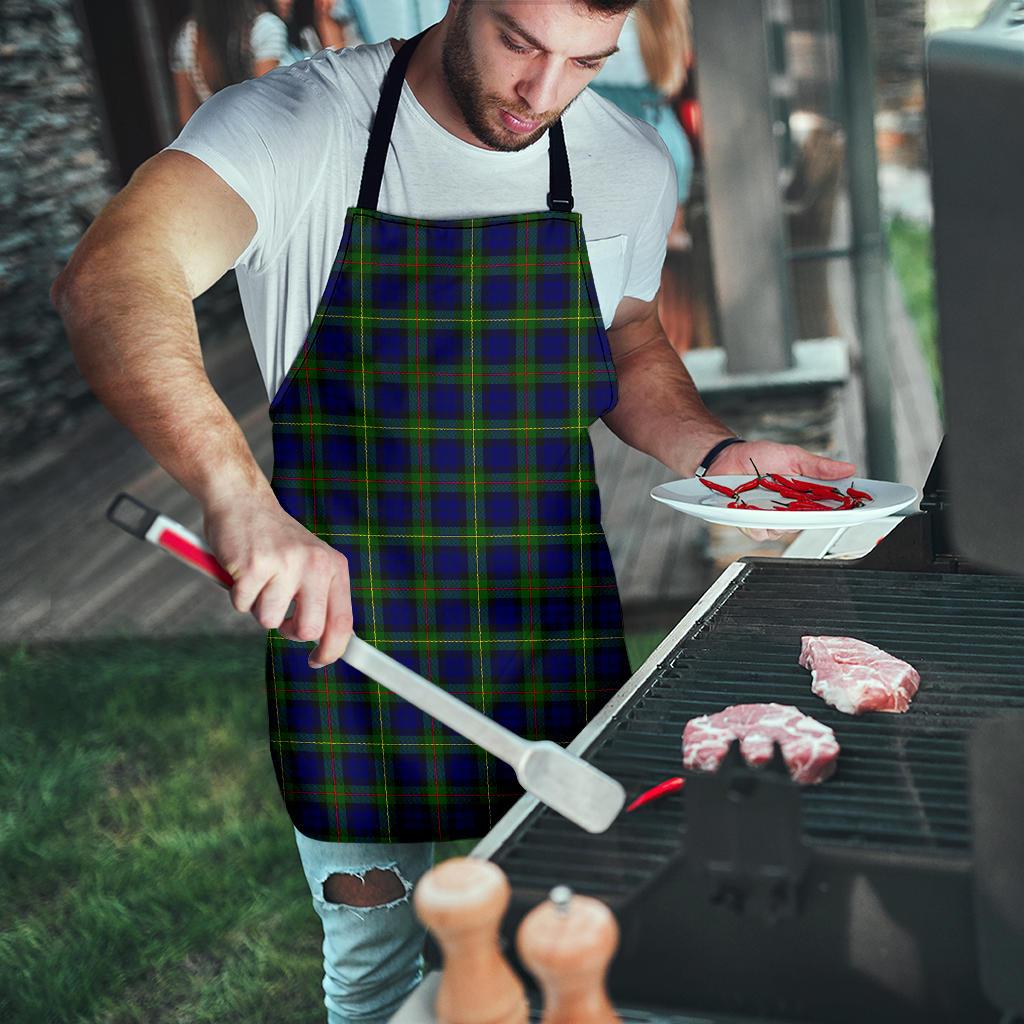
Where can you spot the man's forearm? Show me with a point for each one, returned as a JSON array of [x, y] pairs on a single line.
[[134, 337], [660, 411]]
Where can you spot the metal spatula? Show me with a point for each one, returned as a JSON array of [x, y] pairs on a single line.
[[564, 782]]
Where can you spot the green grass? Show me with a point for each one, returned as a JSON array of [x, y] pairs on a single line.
[[640, 647], [149, 871], [910, 248]]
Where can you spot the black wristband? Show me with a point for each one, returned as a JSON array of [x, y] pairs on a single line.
[[705, 463]]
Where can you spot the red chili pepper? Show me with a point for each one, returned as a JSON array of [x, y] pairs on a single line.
[[750, 485], [668, 786], [809, 487], [717, 487], [807, 505], [862, 495], [786, 492]]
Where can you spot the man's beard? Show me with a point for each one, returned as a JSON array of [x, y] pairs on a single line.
[[464, 82]]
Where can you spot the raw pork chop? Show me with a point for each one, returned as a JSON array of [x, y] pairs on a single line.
[[855, 677], [808, 747]]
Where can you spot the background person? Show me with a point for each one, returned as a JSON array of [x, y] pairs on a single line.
[[221, 43], [647, 75], [313, 25], [645, 79]]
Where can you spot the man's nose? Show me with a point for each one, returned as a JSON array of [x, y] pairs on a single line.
[[539, 88]]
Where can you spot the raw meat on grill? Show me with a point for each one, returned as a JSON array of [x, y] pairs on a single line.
[[808, 747], [855, 677]]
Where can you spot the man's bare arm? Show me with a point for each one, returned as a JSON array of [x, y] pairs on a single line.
[[126, 301], [661, 413], [659, 410]]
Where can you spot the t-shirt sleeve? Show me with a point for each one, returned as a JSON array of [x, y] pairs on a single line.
[[652, 237], [269, 139], [269, 38]]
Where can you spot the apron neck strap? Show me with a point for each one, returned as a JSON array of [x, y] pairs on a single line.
[[560, 185], [383, 122]]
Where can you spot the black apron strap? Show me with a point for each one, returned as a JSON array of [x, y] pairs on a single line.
[[383, 122], [559, 187]]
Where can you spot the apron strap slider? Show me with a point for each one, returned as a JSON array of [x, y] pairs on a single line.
[[560, 205]]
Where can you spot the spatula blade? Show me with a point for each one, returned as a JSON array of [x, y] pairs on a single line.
[[567, 784]]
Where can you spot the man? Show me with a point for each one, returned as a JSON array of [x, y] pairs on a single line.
[[432, 377]]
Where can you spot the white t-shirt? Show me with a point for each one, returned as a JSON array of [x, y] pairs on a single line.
[[292, 143]]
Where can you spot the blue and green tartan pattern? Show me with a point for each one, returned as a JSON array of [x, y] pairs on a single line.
[[434, 430]]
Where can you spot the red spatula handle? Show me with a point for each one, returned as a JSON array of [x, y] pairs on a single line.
[[147, 524]]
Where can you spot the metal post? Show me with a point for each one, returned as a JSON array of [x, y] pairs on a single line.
[[742, 173], [868, 241], [154, 63]]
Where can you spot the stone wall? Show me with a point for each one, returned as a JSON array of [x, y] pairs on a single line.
[[53, 180]]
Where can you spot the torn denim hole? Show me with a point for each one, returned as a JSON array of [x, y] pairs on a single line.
[[361, 873]]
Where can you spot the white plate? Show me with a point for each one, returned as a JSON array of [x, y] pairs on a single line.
[[693, 498]]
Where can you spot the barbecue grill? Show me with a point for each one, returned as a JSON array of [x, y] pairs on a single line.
[[895, 890], [746, 896]]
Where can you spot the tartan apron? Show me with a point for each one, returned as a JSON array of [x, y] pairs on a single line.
[[433, 429]]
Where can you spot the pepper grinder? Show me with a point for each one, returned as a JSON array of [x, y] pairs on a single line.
[[462, 902], [567, 943]]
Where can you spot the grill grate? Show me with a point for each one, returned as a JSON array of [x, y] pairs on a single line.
[[901, 784]]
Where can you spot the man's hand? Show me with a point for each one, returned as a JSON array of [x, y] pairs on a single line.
[[771, 457], [273, 560]]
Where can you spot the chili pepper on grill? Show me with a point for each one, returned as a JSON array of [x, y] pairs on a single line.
[[668, 786]]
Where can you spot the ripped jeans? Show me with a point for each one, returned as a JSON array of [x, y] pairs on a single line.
[[373, 955]]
